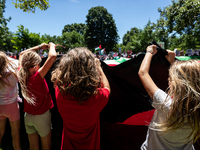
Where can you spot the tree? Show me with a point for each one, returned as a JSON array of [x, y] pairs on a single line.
[[23, 39], [30, 5], [46, 38], [4, 33], [160, 33], [100, 29], [137, 39], [72, 39], [183, 17], [78, 27], [117, 46], [8, 44], [127, 36]]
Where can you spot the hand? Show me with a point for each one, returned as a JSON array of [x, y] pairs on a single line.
[[51, 44], [152, 49], [44, 46], [170, 56]]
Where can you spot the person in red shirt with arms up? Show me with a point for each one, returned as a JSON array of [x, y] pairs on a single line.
[[82, 91], [38, 101]]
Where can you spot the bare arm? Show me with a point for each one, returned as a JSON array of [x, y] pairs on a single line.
[[35, 48], [104, 80], [50, 60], [143, 73], [170, 56]]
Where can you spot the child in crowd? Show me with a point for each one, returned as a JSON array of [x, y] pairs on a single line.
[[175, 124], [82, 91], [38, 101], [9, 107]]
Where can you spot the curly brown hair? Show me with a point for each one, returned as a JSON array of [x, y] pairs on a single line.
[[77, 74]]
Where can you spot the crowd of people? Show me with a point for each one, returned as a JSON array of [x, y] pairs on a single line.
[[82, 91], [189, 52], [114, 55]]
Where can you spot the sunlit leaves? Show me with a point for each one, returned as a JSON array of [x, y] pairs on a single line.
[[78, 27], [23, 39], [31, 5], [182, 16], [72, 39]]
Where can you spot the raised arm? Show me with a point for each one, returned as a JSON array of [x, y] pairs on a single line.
[[104, 80], [143, 73], [35, 48], [50, 60], [170, 56]]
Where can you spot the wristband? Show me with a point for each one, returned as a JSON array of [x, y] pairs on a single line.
[[39, 47], [150, 51]]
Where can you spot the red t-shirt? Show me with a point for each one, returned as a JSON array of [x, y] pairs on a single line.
[[39, 88], [81, 123]]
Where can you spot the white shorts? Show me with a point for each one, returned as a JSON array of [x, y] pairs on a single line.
[[38, 123]]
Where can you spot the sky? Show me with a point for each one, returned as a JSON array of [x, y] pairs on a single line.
[[126, 13]]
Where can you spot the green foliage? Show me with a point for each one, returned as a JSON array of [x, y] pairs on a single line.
[[100, 29], [8, 44], [30, 5], [46, 38], [72, 39], [178, 26], [23, 39], [117, 46], [78, 27], [177, 42], [137, 39], [160, 33], [4, 33], [183, 17], [127, 36]]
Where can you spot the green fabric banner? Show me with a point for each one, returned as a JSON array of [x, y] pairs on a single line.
[[187, 57]]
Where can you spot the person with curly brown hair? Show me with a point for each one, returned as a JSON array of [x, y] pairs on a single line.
[[82, 91]]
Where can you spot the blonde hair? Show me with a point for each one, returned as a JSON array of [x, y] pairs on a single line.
[[6, 65], [29, 60], [77, 74], [185, 90]]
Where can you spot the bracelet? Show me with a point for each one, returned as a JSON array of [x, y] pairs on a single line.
[[150, 51], [39, 47]]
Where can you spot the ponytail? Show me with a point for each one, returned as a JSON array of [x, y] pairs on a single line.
[[23, 75], [29, 60]]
